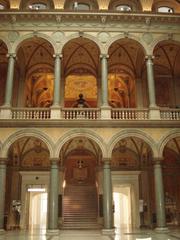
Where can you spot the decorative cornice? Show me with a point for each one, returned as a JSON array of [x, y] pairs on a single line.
[[102, 17]]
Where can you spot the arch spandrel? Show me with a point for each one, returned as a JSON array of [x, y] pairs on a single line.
[[133, 133], [81, 133], [6, 43], [27, 133]]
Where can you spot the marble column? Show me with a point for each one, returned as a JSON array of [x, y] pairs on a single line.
[[53, 197], [107, 197], [159, 196], [2, 191], [9, 81], [150, 80], [104, 80], [57, 78]]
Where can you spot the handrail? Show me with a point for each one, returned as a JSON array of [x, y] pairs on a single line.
[[31, 113]]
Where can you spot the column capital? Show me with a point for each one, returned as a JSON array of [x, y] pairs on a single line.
[[106, 160], [3, 161], [54, 161], [11, 55], [157, 160], [55, 55], [104, 56]]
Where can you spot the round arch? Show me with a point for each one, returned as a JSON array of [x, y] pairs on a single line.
[[130, 37], [165, 139], [132, 133], [27, 133], [84, 35], [26, 37], [81, 133], [162, 38]]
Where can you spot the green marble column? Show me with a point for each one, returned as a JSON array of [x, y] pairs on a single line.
[[150, 80], [9, 81], [2, 191], [159, 196], [53, 196], [107, 195], [57, 79], [104, 80]]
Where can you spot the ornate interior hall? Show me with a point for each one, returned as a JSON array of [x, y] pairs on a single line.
[[90, 119]]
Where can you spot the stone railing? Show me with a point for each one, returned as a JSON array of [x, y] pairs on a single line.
[[81, 113], [31, 113], [130, 114], [170, 114]]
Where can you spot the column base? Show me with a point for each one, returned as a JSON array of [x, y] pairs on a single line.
[[55, 112], [105, 112], [108, 231], [2, 231], [161, 230], [5, 113], [52, 232], [154, 113]]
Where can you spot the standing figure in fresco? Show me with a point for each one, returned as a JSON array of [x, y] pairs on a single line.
[[81, 102]]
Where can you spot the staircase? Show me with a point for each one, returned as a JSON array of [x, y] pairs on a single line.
[[80, 207]]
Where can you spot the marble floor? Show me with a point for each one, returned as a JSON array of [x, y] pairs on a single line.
[[120, 234]]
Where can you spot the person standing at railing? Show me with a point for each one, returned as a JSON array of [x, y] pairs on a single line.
[[81, 102]]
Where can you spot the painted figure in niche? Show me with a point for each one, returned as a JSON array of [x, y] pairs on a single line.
[[121, 90]]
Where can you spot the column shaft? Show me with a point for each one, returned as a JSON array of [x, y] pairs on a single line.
[[104, 80], [9, 81], [53, 196], [150, 79], [57, 77], [2, 191], [107, 196], [159, 195]]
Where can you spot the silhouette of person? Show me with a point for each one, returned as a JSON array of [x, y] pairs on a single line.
[[81, 102]]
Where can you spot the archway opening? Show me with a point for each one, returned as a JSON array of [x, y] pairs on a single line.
[[28, 165], [126, 63], [36, 68], [81, 72], [80, 193], [171, 178], [132, 167], [3, 70], [167, 72]]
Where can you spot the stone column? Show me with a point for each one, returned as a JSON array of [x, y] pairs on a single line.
[[154, 111], [9, 81], [55, 110], [107, 198], [159, 196], [53, 198], [2, 191], [57, 79], [105, 108]]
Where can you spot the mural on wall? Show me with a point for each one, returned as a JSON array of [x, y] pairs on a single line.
[[39, 89], [121, 88], [131, 153], [80, 84]]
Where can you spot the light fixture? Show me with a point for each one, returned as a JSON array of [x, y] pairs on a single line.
[[36, 189]]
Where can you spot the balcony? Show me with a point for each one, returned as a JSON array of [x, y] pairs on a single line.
[[130, 114]]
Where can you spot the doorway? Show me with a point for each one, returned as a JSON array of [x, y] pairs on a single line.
[[37, 209], [122, 207]]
